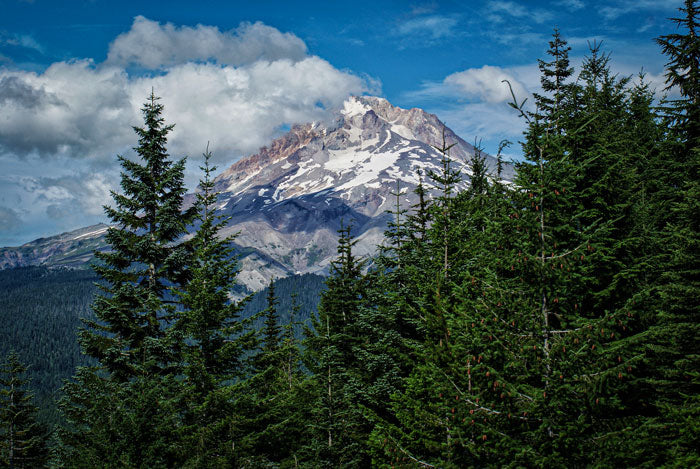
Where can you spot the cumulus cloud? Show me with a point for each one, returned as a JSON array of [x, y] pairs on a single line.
[[85, 110], [473, 102], [235, 89], [484, 84], [72, 108], [152, 45], [240, 109], [237, 108], [65, 196]]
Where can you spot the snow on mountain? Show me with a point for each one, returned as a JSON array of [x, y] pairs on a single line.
[[287, 201]]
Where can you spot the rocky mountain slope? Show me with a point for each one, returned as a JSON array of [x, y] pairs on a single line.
[[288, 200]]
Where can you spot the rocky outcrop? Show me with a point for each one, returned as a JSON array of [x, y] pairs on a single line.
[[287, 201]]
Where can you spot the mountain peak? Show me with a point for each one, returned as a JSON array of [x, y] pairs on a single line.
[[287, 201], [370, 144]]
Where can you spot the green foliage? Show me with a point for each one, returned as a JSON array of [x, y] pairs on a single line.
[[305, 288], [138, 352], [547, 322], [349, 379], [40, 312], [666, 304], [213, 337], [274, 402], [128, 337], [22, 439]]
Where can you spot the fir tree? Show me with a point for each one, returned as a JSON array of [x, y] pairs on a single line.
[[278, 405], [215, 339], [683, 71], [125, 407], [129, 337], [530, 360], [339, 429], [22, 439], [272, 329], [666, 306]]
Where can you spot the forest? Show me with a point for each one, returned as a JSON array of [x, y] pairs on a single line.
[[551, 321]]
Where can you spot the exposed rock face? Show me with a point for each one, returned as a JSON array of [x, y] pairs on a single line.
[[72, 249], [288, 200]]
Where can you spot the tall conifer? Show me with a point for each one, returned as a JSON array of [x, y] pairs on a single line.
[[125, 408], [22, 439]]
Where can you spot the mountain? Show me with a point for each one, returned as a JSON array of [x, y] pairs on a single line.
[[72, 249], [287, 201]]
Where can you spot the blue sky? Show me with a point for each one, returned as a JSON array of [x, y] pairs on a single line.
[[74, 73]]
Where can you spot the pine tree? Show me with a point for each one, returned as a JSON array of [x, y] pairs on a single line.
[[125, 408], [129, 338], [339, 431], [23, 441], [215, 338], [666, 305]]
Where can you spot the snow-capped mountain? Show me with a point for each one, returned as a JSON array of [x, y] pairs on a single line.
[[287, 201]]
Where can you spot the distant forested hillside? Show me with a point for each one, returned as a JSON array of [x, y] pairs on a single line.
[[40, 311], [308, 288], [41, 308]]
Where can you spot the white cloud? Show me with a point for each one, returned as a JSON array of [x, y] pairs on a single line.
[[496, 10], [433, 27], [70, 120], [474, 102], [486, 121], [237, 108], [484, 84], [73, 108], [68, 196], [83, 110], [241, 109], [617, 9], [152, 45]]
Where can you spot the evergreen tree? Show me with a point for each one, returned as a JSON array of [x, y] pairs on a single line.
[[129, 337], [529, 362], [427, 433], [683, 72], [22, 438], [339, 429], [125, 408], [278, 405], [445, 182], [553, 78], [272, 329], [666, 307], [214, 336]]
